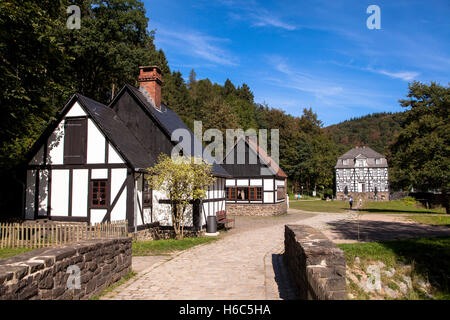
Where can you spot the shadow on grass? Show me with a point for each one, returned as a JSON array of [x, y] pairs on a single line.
[[430, 256], [384, 231], [431, 260], [396, 211]]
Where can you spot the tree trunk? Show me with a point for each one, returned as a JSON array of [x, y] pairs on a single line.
[[445, 201]]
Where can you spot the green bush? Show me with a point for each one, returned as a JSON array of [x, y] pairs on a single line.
[[409, 200]]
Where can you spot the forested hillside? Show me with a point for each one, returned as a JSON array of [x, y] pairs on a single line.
[[375, 130], [43, 62]]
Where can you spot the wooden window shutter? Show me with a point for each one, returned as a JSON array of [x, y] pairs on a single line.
[[75, 141]]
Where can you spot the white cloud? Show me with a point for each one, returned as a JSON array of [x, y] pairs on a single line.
[[198, 45], [404, 75], [267, 20]]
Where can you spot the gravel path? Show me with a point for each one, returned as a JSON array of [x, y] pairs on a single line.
[[247, 263]]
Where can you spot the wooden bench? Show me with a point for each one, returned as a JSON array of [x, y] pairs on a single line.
[[223, 220]]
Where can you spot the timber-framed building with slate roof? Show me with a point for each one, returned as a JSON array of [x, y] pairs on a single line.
[[362, 173], [257, 185], [90, 164]]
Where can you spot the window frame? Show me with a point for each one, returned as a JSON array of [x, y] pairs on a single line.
[[279, 188], [146, 195], [92, 193]]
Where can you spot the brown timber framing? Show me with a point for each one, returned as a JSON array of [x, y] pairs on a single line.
[[130, 184], [107, 217]]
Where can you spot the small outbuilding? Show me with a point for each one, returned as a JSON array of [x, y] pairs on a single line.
[[258, 185]]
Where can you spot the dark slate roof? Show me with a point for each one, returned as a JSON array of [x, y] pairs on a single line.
[[118, 134], [170, 121], [365, 151]]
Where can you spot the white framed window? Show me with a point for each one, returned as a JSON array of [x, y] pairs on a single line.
[[345, 162], [378, 161], [360, 162]]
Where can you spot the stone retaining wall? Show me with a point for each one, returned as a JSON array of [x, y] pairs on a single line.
[[365, 196], [316, 265], [258, 209], [44, 273]]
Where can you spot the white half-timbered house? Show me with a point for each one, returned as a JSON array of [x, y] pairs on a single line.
[[257, 185], [362, 173], [89, 165]]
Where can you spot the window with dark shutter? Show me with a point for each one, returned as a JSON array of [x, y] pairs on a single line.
[[147, 195], [99, 193], [75, 141]]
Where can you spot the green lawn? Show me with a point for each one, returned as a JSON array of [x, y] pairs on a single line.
[[429, 259], [397, 206], [319, 205], [161, 247], [10, 252], [433, 220], [393, 207]]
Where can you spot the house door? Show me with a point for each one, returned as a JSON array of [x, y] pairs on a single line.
[[361, 187]]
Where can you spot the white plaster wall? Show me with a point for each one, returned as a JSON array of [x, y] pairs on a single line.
[[268, 184], [30, 192], [99, 174], [161, 212], [268, 197], [80, 186], [118, 177], [38, 158], [76, 111], [43, 192], [230, 182], [60, 193], [256, 182], [147, 215], [113, 155], [279, 183], [55, 145], [242, 182], [97, 215], [95, 144]]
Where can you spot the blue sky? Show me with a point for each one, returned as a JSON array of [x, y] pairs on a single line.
[[316, 54]]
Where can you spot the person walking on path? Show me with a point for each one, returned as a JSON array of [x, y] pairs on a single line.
[[360, 203], [351, 202]]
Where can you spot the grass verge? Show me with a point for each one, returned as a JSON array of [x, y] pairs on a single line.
[[162, 247], [124, 279], [433, 220], [319, 206], [6, 253], [421, 259], [397, 206]]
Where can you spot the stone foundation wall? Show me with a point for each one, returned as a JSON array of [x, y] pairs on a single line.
[[316, 265], [257, 209], [381, 196], [155, 232], [43, 274]]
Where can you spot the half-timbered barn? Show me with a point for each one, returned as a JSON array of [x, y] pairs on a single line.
[[363, 174], [90, 164], [258, 185]]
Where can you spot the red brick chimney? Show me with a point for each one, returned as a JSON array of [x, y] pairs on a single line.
[[150, 81]]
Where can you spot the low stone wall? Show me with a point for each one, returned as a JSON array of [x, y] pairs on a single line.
[[154, 231], [316, 265], [43, 274], [381, 196], [257, 209]]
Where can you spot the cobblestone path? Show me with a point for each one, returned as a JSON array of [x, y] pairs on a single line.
[[247, 262]]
